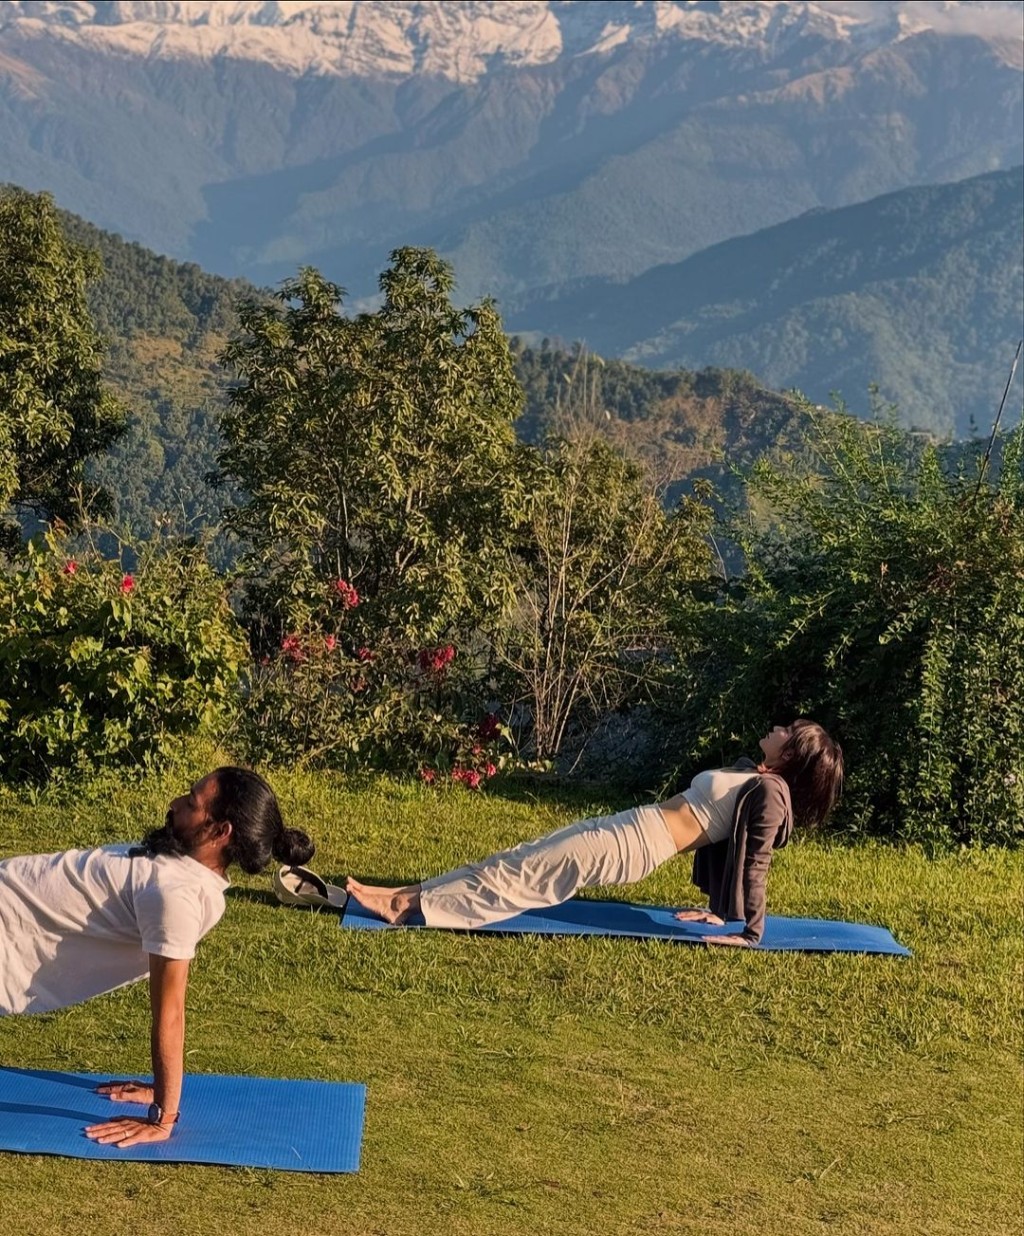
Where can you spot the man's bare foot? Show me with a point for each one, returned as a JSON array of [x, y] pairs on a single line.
[[393, 905]]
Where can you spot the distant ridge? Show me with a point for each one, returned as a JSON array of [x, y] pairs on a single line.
[[920, 291]]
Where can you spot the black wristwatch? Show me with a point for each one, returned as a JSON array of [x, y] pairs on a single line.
[[156, 1115]]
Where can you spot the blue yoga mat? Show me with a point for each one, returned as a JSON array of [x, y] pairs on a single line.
[[585, 917], [294, 1126]]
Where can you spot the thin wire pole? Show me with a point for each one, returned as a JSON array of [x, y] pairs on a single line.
[[999, 414]]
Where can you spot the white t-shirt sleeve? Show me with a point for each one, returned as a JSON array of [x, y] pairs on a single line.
[[171, 920]]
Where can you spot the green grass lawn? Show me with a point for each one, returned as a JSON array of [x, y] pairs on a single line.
[[569, 1085]]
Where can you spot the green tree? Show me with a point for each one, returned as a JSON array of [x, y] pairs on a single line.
[[55, 411], [599, 566], [378, 465]]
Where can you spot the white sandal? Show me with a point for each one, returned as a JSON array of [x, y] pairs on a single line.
[[298, 886]]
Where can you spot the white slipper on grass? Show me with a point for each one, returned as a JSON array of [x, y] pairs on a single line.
[[298, 886]]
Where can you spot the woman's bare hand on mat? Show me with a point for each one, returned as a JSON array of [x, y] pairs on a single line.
[[127, 1131], [127, 1092], [736, 941], [694, 914]]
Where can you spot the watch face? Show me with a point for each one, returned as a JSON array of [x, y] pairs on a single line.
[[155, 1114]]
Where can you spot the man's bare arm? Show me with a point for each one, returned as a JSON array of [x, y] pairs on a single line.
[[168, 980]]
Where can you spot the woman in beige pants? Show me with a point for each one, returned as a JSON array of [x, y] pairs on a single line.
[[742, 814]]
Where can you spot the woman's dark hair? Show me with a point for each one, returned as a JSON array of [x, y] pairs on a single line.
[[811, 764], [258, 833]]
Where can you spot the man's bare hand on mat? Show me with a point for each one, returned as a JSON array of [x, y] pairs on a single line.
[[127, 1131], [694, 914], [127, 1092], [735, 941]]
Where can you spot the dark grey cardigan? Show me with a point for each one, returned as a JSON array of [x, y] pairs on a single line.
[[732, 872]]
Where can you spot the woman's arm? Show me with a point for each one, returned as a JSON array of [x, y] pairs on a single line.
[[168, 979], [765, 814]]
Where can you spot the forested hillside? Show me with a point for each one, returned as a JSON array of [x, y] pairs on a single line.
[[921, 292], [167, 321]]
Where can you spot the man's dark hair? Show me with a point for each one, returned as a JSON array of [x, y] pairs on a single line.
[[258, 833]]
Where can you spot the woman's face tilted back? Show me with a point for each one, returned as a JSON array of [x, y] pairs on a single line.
[[810, 761], [773, 743]]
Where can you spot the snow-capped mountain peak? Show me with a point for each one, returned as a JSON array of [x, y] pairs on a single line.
[[462, 41]]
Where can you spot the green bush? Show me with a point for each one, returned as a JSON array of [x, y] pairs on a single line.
[[884, 597], [100, 666], [597, 566]]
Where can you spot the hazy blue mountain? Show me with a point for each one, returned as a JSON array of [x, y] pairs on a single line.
[[533, 143], [921, 291]]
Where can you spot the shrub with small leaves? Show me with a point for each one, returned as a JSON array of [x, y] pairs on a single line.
[[100, 666], [884, 597], [322, 698]]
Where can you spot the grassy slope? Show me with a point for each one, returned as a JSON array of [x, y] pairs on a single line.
[[564, 1086]]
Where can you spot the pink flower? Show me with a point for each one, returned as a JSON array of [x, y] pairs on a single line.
[[70, 567], [490, 770], [364, 654], [330, 643], [347, 594], [472, 779], [264, 660], [291, 646], [428, 775], [477, 749], [127, 584]]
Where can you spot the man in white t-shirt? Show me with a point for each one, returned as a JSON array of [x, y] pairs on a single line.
[[83, 922]]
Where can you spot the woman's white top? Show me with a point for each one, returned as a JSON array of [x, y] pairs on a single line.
[[75, 924], [712, 798]]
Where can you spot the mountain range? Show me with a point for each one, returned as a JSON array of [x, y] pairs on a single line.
[[533, 143]]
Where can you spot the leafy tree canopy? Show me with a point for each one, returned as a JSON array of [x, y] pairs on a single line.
[[55, 410]]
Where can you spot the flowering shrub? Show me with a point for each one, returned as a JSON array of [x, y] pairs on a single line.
[[324, 699], [100, 666]]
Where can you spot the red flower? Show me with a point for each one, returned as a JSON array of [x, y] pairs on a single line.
[[70, 567], [330, 643], [477, 749], [127, 584], [490, 770], [347, 594], [436, 660], [472, 779], [428, 775], [364, 654]]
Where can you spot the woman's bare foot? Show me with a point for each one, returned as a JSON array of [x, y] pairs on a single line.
[[393, 905]]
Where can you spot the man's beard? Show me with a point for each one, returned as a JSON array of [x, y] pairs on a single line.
[[165, 840]]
